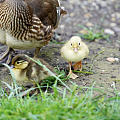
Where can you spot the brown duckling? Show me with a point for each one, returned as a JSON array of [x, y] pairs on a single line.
[[27, 72]]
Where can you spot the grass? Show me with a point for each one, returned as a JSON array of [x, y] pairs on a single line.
[[56, 106], [56, 42], [61, 104], [51, 80], [91, 34]]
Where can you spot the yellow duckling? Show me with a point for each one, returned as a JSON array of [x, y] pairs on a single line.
[[27, 72], [75, 50]]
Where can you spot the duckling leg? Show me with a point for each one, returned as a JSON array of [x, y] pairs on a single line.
[[78, 66], [71, 74], [6, 56]]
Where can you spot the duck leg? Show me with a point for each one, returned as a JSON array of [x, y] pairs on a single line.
[[71, 74], [36, 53], [6, 56], [78, 66]]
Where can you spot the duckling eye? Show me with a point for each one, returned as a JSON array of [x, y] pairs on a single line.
[[71, 44], [18, 62], [79, 43]]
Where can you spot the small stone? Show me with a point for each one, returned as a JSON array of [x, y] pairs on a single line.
[[89, 24], [116, 29], [113, 19], [111, 59], [118, 15], [113, 85], [71, 14], [62, 26], [113, 15], [83, 31], [117, 59], [103, 71], [113, 24], [87, 15], [74, 1], [113, 76], [103, 3], [95, 6], [109, 31]]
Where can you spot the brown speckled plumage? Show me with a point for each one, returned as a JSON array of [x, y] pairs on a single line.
[[18, 19], [26, 24]]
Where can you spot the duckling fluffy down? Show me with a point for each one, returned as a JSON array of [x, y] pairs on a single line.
[[68, 53]]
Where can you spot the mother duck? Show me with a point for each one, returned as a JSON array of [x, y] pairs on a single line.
[[26, 24]]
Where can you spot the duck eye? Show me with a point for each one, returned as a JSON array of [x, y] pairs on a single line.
[[79, 43], [19, 62], [71, 44]]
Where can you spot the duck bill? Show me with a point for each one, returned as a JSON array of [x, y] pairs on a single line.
[[63, 11], [58, 17], [75, 50], [60, 11]]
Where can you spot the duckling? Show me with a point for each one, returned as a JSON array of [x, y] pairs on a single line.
[[27, 72], [75, 50]]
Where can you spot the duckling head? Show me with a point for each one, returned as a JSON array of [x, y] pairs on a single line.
[[20, 62], [75, 43]]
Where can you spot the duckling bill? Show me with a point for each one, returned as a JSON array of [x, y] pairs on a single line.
[[75, 50]]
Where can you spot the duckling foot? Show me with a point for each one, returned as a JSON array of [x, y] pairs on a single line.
[[6, 57], [72, 75], [78, 66]]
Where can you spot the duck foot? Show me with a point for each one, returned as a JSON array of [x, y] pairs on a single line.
[[78, 66], [6, 57], [72, 75]]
